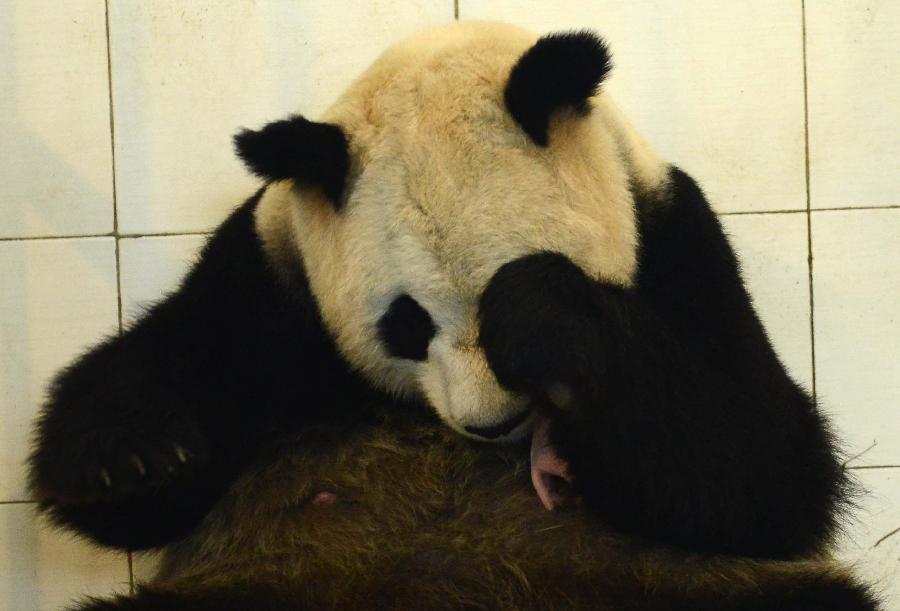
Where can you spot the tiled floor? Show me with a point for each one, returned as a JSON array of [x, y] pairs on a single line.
[[117, 122]]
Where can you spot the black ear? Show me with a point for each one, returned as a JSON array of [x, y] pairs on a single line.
[[560, 70], [314, 154]]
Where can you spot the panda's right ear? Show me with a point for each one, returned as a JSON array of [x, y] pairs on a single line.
[[560, 70], [312, 154]]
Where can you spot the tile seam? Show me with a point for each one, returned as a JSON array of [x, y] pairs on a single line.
[[115, 233], [806, 172]]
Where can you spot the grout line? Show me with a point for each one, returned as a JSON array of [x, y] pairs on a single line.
[[162, 234], [748, 212], [112, 123], [112, 143], [17, 502], [110, 234], [812, 304], [808, 210], [59, 237], [844, 208], [119, 287], [809, 237], [112, 149]]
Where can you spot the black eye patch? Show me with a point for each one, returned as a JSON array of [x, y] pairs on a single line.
[[406, 329]]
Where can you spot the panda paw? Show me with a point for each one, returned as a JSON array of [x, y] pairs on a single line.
[[75, 463], [539, 326]]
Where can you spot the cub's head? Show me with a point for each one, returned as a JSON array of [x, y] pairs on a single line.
[[456, 152]]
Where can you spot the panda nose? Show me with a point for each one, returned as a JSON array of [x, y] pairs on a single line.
[[498, 430]]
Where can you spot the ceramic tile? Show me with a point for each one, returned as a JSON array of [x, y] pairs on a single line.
[[56, 168], [42, 569], [856, 289], [186, 76], [872, 543], [56, 298], [717, 87], [772, 249], [853, 66], [151, 267]]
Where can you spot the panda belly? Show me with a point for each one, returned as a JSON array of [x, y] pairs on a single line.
[[408, 494], [409, 516]]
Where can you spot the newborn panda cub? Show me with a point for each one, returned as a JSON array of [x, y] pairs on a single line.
[[471, 246]]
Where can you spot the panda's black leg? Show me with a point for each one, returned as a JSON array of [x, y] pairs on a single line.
[[140, 436], [678, 421]]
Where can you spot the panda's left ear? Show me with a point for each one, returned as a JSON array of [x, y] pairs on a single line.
[[313, 154], [559, 71]]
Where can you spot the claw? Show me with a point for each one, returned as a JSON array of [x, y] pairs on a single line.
[[104, 475], [181, 453], [138, 464]]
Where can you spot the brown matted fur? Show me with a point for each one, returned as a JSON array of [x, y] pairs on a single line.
[[425, 519]]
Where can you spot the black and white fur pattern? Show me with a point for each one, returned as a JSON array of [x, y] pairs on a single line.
[[451, 188], [483, 256]]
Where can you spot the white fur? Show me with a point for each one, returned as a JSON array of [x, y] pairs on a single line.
[[445, 188]]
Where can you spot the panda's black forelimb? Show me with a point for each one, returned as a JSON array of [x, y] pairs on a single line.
[[682, 425], [141, 435]]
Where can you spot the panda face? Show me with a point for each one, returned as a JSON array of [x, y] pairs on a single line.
[[444, 187]]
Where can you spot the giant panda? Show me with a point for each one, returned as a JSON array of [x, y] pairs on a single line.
[[472, 345]]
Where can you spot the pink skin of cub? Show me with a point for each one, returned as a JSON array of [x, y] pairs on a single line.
[[546, 465]]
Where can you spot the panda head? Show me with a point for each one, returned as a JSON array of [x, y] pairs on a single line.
[[459, 150]]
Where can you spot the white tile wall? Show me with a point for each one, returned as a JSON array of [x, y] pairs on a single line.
[[856, 287], [772, 249], [873, 541], [153, 266], [718, 87], [44, 570], [187, 75], [55, 149], [854, 91], [56, 298]]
